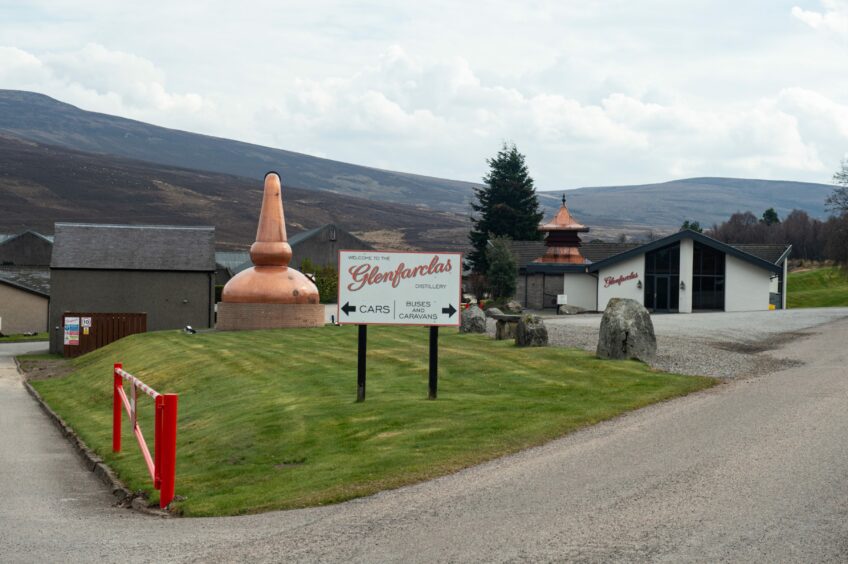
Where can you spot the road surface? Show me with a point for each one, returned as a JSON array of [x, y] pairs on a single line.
[[755, 470]]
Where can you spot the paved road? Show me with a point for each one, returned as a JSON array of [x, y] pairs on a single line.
[[754, 470]]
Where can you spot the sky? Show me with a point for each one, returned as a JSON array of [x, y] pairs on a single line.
[[594, 93]]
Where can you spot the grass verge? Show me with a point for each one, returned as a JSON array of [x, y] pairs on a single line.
[[820, 287], [267, 419], [24, 338]]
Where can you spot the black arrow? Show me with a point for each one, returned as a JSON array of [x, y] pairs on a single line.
[[347, 308], [449, 310]]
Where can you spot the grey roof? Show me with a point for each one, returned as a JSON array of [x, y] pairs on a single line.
[[526, 252], [133, 247], [597, 251], [32, 279], [770, 253], [9, 236], [231, 259]]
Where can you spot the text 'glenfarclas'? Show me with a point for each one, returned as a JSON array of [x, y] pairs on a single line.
[[369, 274], [613, 280]]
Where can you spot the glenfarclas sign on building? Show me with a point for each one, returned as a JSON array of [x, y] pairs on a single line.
[[396, 288], [617, 280]]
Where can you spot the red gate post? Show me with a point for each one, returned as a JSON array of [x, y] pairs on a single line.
[[117, 384], [158, 437], [168, 453]]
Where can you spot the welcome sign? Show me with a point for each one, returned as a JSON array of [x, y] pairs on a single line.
[[399, 288]]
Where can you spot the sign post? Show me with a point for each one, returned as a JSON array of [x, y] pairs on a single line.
[[399, 288]]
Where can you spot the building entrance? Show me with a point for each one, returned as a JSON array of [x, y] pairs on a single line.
[[662, 279]]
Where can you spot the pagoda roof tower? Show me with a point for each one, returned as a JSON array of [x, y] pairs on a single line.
[[563, 240]]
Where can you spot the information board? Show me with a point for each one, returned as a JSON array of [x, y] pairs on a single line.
[[72, 331], [399, 288]]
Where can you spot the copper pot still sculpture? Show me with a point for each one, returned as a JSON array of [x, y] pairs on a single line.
[[270, 294]]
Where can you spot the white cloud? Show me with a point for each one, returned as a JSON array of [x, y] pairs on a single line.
[[834, 18], [591, 94], [100, 79]]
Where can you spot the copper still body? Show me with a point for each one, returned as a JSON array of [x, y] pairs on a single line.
[[271, 280]]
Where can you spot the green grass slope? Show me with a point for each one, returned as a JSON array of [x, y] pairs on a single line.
[[820, 287], [267, 419]]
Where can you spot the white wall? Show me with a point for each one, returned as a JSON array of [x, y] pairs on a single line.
[[785, 280], [628, 288], [581, 289], [687, 258], [746, 287]]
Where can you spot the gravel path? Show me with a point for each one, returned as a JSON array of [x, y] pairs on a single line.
[[723, 345]]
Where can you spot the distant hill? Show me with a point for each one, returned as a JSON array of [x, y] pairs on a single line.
[[41, 184], [40, 118], [707, 200], [608, 210]]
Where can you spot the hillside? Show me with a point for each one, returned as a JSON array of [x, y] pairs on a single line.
[[819, 287], [707, 200], [40, 118], [42, 184], [609, 209]]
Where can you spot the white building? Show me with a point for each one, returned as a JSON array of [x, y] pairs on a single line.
[[684, 272]]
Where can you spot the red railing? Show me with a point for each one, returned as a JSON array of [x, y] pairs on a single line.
[[163, 465]]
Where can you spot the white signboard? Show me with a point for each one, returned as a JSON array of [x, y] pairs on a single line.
[[397, 288]]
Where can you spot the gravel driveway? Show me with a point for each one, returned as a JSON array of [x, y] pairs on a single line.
[[724, 345]]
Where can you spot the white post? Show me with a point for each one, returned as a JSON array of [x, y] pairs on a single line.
[[687, 258]]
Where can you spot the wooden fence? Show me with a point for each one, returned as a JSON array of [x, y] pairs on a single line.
[[95, 330]]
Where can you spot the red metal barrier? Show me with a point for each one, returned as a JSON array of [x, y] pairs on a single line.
[[163, 465]]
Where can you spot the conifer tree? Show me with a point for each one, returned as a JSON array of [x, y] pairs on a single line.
[[503, 270], [506, 207]]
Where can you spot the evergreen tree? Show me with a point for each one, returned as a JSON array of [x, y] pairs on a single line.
[[692, 225], [502, 269], [506, 207], [770, 217]]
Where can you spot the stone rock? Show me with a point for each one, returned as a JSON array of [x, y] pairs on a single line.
[[531, 332], [566, 309], [472, 320], [513, 306], [505, 328], [627, 332], [493, 311]]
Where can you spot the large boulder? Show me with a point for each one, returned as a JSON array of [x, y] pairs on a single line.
[[512, 306], [493, 312], [627, 332], [472, 320], [531, 332]]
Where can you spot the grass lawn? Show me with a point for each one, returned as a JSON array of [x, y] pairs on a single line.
[[22, 338], [820, 287], [267, 419]]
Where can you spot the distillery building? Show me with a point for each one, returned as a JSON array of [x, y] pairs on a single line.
[[683, 272]]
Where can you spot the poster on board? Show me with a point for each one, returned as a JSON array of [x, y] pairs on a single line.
[[72, 331]]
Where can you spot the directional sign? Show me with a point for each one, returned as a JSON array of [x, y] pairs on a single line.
[[394, 288]]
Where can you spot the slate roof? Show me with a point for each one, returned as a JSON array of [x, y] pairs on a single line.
[[133, 247], [231, 260], [770, 253], [526, 252], [597, 251], [33, 279], [9, 236]]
